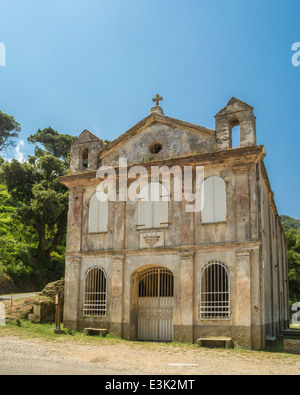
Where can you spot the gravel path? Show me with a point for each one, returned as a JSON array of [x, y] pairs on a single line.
[[37, 357]]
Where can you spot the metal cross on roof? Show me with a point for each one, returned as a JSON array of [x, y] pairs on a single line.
[[157, 99]]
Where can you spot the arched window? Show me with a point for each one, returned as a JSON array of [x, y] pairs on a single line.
[[235, 137], [156, 282], [84, 158], [98, 215], [153, 206], [214, 209], [95, 293], [215, 292]]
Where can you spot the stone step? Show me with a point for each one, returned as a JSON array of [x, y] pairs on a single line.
[[96, 331], [291, 346], [215, 341], [291, 332]]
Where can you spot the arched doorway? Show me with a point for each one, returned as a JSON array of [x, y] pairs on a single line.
[[155, 304]]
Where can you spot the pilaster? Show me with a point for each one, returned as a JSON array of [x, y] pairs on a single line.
[[75, 220], [117, 294], [183, 321], [242, 202], [243, 298], [72, 293]]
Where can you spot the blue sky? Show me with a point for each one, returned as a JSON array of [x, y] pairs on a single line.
[[96, 65]]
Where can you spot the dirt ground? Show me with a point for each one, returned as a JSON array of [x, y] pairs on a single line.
[[39, 357]]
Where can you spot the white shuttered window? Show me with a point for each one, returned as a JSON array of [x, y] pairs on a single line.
[[214, 209], [98, 215], [153, 206]]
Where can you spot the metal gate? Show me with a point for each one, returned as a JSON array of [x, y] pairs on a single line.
[[155, 305]]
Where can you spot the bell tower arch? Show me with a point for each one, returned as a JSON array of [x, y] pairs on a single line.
[[235, 113], [85, 153]]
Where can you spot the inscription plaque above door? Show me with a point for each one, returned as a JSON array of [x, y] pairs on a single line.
[[152, 239]]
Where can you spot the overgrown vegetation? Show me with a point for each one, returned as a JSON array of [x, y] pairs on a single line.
[[20, 309], [289, 223], [33, 214], [292, 232]]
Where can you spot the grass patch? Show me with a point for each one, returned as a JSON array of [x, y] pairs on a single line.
[[275, 348], [25, 329], [44, 331], [295, 327]]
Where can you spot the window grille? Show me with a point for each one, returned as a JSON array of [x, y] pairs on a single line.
[[156, 282], [155, 304], [215, 292], [95, 293]]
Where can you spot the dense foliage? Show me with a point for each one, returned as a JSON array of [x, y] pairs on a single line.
[[291, 228], [56, 144], [9, 130], [33, 215], [289, 223], [293, 245]]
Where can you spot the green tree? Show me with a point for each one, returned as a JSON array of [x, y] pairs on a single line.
[[43, 199], [293, 247], [19, 179], [56, 144], [9, 130], [33, 213]]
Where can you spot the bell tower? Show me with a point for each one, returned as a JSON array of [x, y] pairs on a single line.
[[84, 153], [235, 113]]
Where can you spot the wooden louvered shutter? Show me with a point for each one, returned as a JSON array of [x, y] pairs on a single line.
[[214, 209], [98, 215], [153, 206], [161, 208], [219, 199], [145, 208], [93, 214], [102, 216], [208, 208]]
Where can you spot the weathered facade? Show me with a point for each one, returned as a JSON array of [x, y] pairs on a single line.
[[172, 274]]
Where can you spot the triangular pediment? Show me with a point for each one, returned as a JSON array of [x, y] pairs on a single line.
[[85, 137], [234, 105], [158, 119]]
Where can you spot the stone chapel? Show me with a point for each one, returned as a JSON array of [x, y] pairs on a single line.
[[152, 270]]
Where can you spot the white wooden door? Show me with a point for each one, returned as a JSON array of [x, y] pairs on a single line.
[[155, 305]]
